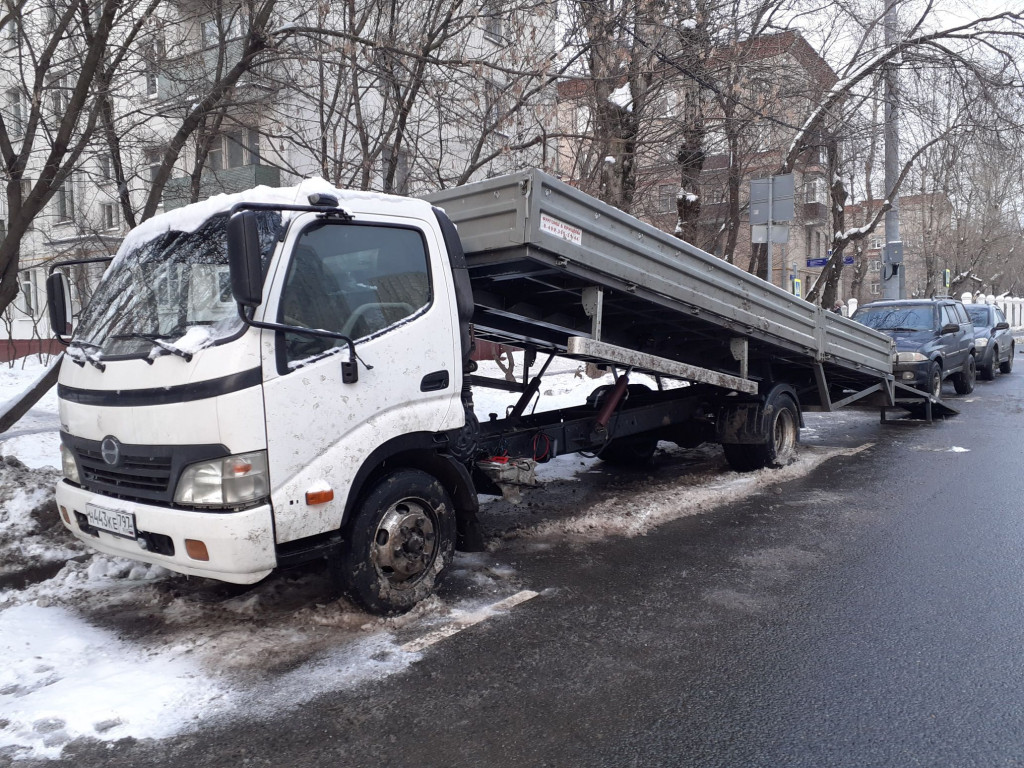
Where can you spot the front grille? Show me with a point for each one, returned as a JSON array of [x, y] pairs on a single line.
[[148, 474], [145, 473]]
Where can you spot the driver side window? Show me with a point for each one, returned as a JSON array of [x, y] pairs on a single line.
[[358, 280]]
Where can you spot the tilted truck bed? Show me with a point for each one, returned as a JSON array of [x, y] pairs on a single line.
[[537, 250]]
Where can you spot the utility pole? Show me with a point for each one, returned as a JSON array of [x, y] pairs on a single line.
[[893, 276]]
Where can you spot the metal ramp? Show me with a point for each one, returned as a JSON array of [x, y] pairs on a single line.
[[920, 405]]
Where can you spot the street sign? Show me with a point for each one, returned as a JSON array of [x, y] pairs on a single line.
[[759, 233], [847, 260], [775, 194]]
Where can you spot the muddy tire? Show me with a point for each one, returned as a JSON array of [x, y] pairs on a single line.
[[963, 380], [1007, 365], [400, 543], [783, 433], [935, 381], [987, 371]]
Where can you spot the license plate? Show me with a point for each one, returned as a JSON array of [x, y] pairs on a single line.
[[111, 520]]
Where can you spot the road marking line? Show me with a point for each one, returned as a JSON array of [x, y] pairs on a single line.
[[469, 620]]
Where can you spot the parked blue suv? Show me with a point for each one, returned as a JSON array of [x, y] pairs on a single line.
[[934, 340]]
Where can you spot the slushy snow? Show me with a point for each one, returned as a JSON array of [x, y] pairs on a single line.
[[102, 648]]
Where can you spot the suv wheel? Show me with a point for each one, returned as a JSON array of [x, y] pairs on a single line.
[[963, 381], [1007, 367], [935, 380], [987, 371]]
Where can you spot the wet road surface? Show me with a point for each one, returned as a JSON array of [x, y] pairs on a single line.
[[871, 614]]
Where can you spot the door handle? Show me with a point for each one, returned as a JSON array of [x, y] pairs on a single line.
[[432, 382]]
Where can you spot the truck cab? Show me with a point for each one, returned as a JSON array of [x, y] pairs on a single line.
[[218, 445]]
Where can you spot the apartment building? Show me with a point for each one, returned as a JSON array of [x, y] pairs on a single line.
[[370, 115]]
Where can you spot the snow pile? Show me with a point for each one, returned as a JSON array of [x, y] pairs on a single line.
[[31, 536]]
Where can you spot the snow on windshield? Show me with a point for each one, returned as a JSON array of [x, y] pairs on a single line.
[[171, 291], [897, 318]]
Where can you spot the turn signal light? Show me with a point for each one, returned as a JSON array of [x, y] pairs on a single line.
[[319, 497], [196, 549], [64, 514]]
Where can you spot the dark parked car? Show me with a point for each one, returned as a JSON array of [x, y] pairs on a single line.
[[934, 340], [992, 338]]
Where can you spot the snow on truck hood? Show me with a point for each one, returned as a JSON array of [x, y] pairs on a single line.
[[191, 217]]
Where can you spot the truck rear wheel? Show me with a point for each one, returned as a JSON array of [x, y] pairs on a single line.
[[782, 433], [400, 543]]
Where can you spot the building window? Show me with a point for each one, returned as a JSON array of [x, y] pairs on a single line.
[[59, 97], [493, 26], [234, 149], [815, 191], [151, 67], [875, 265], [27, 283], [66, 202], [106, 167], [108, 214], [667, 198], [12, 34], [875, 289], [877, 243], [16, 110], [155, 160]]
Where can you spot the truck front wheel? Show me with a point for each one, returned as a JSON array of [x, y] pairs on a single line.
[[400, 543], [782, 435]]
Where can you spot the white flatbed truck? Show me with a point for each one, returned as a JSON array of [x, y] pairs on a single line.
[[285, 375]]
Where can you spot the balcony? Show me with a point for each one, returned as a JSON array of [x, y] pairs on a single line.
[[178, 191]]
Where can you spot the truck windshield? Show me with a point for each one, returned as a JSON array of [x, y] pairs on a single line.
[[897, 318], [168, 295]]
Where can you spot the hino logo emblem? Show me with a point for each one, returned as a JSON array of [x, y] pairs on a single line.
[[110, 450]]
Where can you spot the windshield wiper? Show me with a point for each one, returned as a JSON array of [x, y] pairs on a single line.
[[95, 361], [898, 328], [157, 341]]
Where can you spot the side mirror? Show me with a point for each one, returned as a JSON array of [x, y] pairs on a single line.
[[58, 302], [244, 259], [1003, 326], [949, 328]]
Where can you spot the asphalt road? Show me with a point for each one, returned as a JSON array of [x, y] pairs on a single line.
[[871, 614]]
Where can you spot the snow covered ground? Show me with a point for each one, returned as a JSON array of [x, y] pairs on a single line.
[[102, 648]]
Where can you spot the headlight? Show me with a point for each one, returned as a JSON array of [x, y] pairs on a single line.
[[910, 357], [981, 341], [69, 465], [227, 482]]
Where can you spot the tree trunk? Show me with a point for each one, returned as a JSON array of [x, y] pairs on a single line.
[[18, 407]]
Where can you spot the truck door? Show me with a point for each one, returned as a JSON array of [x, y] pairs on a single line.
[[384, 282]]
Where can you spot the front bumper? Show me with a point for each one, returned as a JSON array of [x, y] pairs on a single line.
[[240, 545], [913, 374]]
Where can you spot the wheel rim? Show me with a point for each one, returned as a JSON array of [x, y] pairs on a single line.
[[784, 434], [405, 542]]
